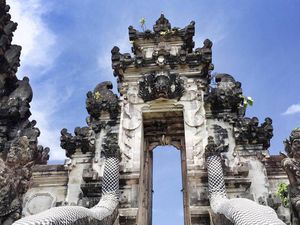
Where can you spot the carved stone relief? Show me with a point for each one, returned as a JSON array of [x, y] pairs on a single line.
[[102, 100], [84, 139], [38, 202], [227, 95], [161, 85], [248, 131], [291, 165]]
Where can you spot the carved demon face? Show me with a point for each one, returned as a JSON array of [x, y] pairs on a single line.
[[162, 86], [292, 145]]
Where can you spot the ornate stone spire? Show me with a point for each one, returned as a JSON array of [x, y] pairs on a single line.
[[163, 53], [162, 24]]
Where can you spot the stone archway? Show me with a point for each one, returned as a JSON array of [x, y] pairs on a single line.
[[161, 128]]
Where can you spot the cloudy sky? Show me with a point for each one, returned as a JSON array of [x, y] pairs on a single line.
[[66, 52]]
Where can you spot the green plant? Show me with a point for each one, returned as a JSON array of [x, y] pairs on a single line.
[[282, 193], [142, 22], [247, 101]]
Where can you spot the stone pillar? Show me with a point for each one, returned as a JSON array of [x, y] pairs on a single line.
[[80, 162]]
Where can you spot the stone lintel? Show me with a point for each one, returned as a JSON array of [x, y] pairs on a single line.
[[128, 212], [251, 150]]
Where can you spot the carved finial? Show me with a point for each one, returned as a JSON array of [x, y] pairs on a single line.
[[162, 24], [102, 99]]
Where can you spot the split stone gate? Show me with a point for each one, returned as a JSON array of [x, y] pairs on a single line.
[[168, 96]]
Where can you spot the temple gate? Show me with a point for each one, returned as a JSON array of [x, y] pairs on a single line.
[[167, 96]]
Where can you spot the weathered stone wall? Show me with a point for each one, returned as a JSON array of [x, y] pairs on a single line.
[[48, 189]]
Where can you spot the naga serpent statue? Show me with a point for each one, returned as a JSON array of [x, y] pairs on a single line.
[[80, 215], [239, 211]]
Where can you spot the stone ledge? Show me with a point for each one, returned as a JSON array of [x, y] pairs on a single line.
[[48, 168]]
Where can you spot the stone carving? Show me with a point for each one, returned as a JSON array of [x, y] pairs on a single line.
[[248, 131], [162, 24], [120, 62], [266, 132], [91, 188], [103, 211], [18, 136], [194, 116], [162, 54], [227, 95], [201, 56], [132, 117], [154, 86], [15, 173], [291, 165], [44, 201], [10, 54], [102, 100], [220, 135], [84, 139], [238, 210], [205, 51], [14, 106], [274, 201], [42, 155], [110, 147], [163, 29], [15, 170], [212, 148]]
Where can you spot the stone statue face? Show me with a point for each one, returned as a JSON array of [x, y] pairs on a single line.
[[296, 148]]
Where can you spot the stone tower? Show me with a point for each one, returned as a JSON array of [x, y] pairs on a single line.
[[167, 96]]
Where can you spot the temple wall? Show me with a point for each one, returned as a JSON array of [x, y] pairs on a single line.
[[49, 188]]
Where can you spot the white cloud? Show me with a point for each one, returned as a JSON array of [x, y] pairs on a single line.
[[43, 111], [104, 59], [293, 109], [214, 29], [38, 55], [33, 34]]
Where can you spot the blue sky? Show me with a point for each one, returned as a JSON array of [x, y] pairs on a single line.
[[66, 52]]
